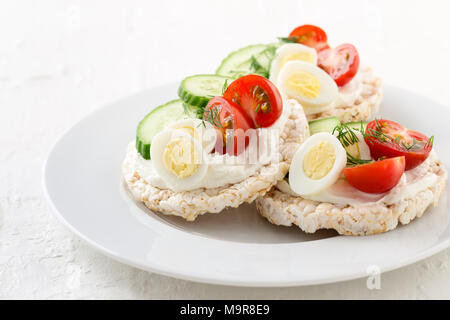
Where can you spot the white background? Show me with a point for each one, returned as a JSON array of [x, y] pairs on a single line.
[[60, 60]]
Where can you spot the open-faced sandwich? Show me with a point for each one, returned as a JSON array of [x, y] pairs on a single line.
[[325, 81], [358, 179], [231, 136], [203, 153]]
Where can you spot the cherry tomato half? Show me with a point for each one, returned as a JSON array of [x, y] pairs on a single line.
[[376, 177], [389, 139], [230, 122], [258, 97], [341, 63], [311, 36]]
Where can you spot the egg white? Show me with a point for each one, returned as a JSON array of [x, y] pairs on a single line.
[[328, 89], [364, 150], [174, 182], [299, 182], [285, 51], [204, 131]]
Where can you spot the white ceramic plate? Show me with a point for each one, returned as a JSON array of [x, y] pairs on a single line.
[[82, 179]]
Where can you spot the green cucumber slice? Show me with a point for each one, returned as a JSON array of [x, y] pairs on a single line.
[[199, 89], [158, 119], [193, 111], [253, 59], [357, 125], [323, 125]]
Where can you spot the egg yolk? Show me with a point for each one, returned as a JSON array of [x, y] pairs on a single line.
[[179, 157], [198, 135], [304, 84], [302, 56], [319, 160]]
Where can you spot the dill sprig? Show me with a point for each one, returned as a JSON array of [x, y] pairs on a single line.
[[225, 86], [362, 128], [352, 161], [269, 52], [409, 146], [430, 142], [345, 135], [202, 124], [196, 113], [212, 116], [379, 135], [288, 39], [256, 67]]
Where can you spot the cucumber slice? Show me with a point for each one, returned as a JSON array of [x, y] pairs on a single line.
[[357, 125], [323, 125], [193, 111], [199, 89], [253, 59], [158, 119]]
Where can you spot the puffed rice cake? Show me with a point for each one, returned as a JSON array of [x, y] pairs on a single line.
[[365, 107], [286, 210], [191, 204]]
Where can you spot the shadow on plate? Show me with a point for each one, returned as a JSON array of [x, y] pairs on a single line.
[[242, 224]]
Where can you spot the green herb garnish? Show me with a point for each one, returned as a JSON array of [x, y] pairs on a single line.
[[352, 161], [288, 39], [347, 136], [225, 86], [379, 135], [430, 142], [269, 52], [212, 116], [409, 146], [256, 67]]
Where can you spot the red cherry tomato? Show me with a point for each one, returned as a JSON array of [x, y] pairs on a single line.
[[230, 122], [376, 177], [258, 97], [389, 139], [310, 36], [341, 63]]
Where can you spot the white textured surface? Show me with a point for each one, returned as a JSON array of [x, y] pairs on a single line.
[[59, 60]]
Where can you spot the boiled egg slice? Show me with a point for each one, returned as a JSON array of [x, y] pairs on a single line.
[[179, 159], [200, 130], [317, 164], [357, 149], [291, 52], [312, 87]]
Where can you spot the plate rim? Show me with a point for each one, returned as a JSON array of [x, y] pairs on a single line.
[[434, 249]]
